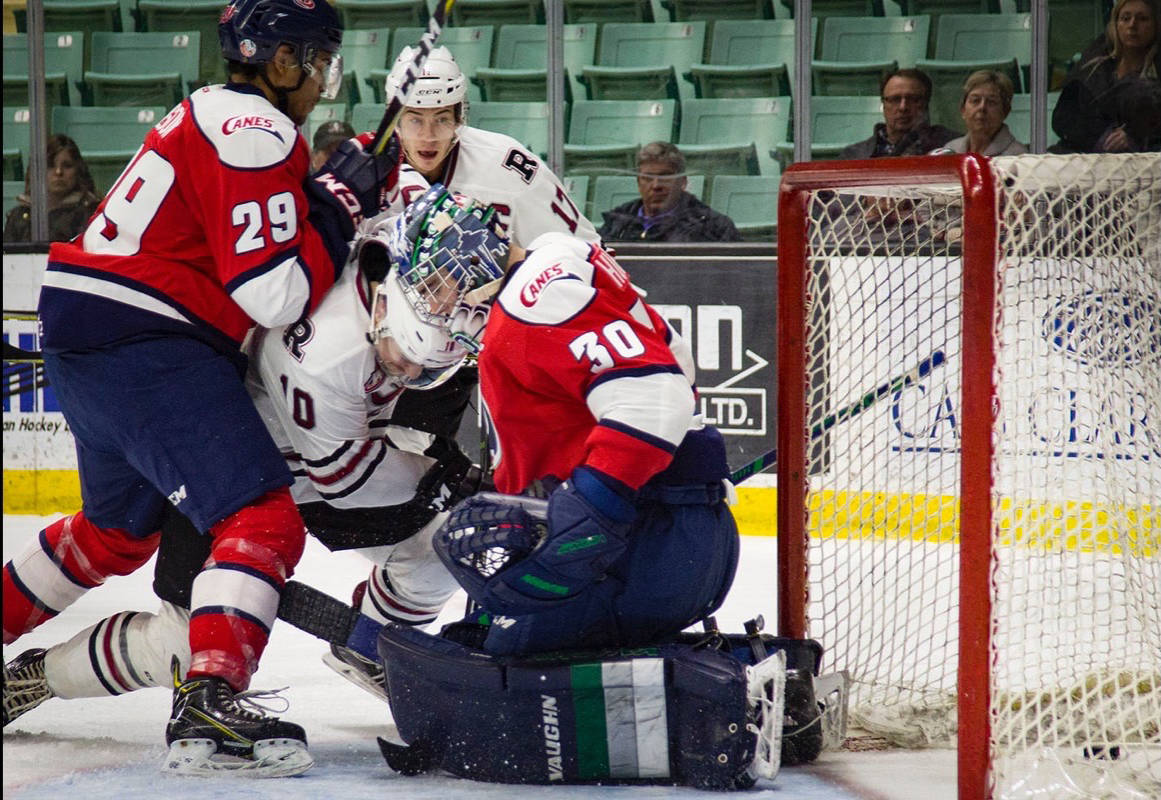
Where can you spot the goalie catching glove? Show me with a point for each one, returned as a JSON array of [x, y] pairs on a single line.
[[514, 555]]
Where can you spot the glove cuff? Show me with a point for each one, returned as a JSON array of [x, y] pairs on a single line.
[[598, 490]]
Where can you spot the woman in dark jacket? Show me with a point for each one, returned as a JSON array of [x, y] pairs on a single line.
[[1111, 102], [72, 198]]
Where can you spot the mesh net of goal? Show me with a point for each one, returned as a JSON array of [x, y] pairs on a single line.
[[1075, 476]]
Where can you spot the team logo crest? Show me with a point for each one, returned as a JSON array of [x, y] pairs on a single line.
[[307, 4], [247, 48]]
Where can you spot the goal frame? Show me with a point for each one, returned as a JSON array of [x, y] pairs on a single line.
[[978, 394]]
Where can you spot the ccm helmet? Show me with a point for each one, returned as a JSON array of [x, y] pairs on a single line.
[[250, 32], [440, 84]]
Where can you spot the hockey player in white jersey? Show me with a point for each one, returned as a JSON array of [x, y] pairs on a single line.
[[329, 400], [440, 146]]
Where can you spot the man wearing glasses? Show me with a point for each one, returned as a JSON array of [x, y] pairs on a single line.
[[905, 130]]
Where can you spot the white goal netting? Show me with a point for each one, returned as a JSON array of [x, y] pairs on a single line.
[[1075, 477]]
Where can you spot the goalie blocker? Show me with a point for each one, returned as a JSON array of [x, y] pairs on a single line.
[[701, 710]]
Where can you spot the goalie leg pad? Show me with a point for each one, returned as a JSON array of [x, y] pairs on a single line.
[[673, 713]]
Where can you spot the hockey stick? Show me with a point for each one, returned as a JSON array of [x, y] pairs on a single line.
[[396, 103], [917, 373]]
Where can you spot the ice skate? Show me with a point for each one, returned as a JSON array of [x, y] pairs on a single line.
[[25, 686], [359, 670], [215, 730]]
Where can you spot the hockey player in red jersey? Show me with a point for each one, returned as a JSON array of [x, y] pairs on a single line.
[[587, 389], [212, 227]]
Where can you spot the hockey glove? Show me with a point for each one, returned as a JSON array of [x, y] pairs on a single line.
[[354, 182], [587, 530]]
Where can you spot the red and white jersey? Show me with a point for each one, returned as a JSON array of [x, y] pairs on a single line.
[[326, 401], [577, 369], [496, 169], [206, 227]]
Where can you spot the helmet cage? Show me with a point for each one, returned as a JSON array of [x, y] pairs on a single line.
[[420, 342]]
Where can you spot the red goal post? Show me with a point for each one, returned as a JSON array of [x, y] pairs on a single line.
[[941, 511]]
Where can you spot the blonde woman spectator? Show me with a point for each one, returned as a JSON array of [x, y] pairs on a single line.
[[72, 198], [987, 100], [1111, 102]]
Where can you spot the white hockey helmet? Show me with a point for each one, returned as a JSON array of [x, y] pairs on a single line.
[[441, 83]]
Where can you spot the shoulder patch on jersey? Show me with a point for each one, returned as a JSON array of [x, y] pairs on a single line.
[[519, 161], [245, 130], [550, 287]]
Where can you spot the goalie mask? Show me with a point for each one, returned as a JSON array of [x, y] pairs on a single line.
[[445, 254]]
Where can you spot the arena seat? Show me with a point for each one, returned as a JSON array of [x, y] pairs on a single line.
[[983, 37], [326, 112], [602, 11], [366, 116], [366, 54], [182, 16], [86, 16], [371, 14], [16, 138], [604, 135], [577, 187], [836, 122], [821, 9], [902, 39], [107, 137], [518, 70], [715, 10], [12, 190], [1019, 120], [752, 58], [645, 61], [763, 121], [467, 13], [751, 201], [527, 123], [849, 77], [63, 68], [134, 69]]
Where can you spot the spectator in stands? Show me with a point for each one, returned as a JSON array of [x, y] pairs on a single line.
[[905, 130], [987, 100], [72, 197], [665, 212], [327, 138], [1111, 101]]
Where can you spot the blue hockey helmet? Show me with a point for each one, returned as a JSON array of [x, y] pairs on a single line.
[[250, 32]]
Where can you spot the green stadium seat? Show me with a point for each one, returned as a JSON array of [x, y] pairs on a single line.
[[63, 67], [371, 14], [1020, 118], [527, 123], [602, 11], [849, 77], [325, 112], [183, 16], [835, 123], [134, 69], [762, 121], [366, 55], [751, 201], [721, 159], [12, 190], [821, 9], [640, 61], [16, 138], [984, 37], [107, 137], [947, 79], [1072, 25], [466, 13], [471, 47], [749, 59], [518, 71], [577, 188], [902, 39], [366, 116], [715, 10], [610, 191], [76, 15], [604, 135]]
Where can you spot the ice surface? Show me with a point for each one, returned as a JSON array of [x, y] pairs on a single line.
[[110, 748]]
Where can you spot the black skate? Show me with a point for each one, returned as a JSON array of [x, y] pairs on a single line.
[[214, 730], [358, 669], [25, 686]]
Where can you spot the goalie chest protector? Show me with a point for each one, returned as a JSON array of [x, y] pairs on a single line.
[[670, 713]]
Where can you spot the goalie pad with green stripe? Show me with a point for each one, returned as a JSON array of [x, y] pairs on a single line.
[[682, 712]]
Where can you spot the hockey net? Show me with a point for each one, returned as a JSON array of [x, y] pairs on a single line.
[[970, 459]]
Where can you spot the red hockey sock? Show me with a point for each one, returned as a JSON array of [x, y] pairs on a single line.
[[235, 597], [68, 558]]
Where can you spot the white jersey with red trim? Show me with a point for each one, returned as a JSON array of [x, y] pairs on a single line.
[[326, 401], [577, 369], [496, 169], [206, 227]]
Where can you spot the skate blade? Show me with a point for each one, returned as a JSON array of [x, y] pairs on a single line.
[[272, 758], [354, 675]]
